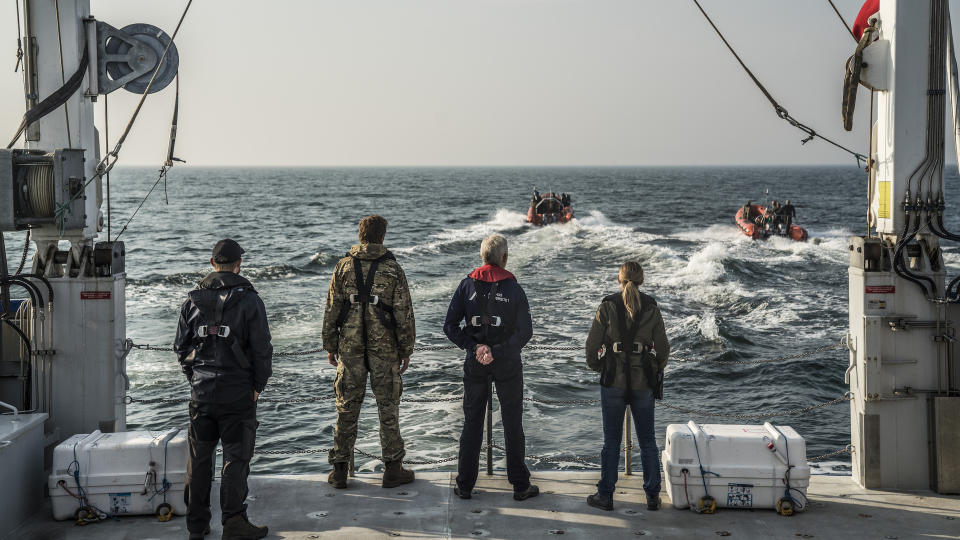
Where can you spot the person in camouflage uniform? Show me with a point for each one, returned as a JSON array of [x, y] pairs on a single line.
[[368, 327]]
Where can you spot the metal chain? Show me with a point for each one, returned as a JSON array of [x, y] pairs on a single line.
[[319, 350], [845, 450], [451, 399], [408, 461], [796, 356], [748, 416]]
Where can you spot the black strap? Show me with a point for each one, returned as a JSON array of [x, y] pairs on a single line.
[[232, 340], [486, 312], [628, 347], [54, 100], [364, 288]]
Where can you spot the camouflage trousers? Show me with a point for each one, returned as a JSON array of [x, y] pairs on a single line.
[[350, 387]]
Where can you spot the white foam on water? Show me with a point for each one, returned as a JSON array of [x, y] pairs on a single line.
[[708, 326], [504, 219]]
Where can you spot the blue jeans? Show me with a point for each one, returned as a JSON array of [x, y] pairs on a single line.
[[614, 407]]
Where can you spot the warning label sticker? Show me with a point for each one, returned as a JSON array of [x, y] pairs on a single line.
[[120, 503], [95, 295], [880, 289], [740, 495], [883, 199]]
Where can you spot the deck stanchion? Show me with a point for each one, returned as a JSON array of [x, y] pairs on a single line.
[[489, 426], [352, 469], [628, 445]]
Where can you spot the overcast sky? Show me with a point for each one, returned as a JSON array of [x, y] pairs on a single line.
[[483, 82]]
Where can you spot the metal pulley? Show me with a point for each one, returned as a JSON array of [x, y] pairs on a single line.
[[128, 57]]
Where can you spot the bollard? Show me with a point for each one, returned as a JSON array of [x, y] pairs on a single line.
[[489, 426], [352, 470], [628, 445]]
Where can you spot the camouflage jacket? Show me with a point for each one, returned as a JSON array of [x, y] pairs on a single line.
[[390, 285]]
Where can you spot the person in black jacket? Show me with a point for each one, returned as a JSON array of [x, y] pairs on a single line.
[[498, 325], [223, 346]]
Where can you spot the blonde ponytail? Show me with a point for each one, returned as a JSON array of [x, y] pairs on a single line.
[[631, 277]]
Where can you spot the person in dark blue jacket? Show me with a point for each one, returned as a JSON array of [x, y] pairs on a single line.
[[498, 325]]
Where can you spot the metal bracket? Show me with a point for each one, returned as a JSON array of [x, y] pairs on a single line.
[[902, 323]]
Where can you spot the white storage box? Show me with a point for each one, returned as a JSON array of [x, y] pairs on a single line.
[[745, 466], [120, 473]]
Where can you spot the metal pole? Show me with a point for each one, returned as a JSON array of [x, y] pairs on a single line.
[[351, 468], [628, 445], [490, 426]]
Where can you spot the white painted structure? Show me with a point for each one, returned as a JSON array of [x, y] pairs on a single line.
[[88, 370], [903, 371]]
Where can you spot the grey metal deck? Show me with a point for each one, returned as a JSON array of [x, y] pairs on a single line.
[[305, 507]]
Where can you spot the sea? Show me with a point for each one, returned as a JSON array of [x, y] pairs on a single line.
[[724, 297]]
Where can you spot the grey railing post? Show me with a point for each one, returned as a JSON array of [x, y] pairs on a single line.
[[352, 469], [489, 426], [628, 445]]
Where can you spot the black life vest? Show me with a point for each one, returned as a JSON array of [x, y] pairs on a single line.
[[618, 353], [488, 328], [364, 298], [209, 327]]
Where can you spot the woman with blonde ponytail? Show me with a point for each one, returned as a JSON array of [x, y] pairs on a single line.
[[628, 346]]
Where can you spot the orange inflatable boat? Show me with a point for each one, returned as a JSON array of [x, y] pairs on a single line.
[[760, 224], [549, 209]]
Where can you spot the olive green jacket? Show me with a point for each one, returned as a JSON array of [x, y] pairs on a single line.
[[606, 330], [390, 284]]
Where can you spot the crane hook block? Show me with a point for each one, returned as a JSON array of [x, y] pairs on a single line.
[[128, 57]]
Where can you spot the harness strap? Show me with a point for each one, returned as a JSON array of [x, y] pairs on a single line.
[[218, 330], [364, 298], [627, 336], [486, 320]]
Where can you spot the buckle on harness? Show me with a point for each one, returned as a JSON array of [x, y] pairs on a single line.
[[371, 299], [485, 320], [218, 330], [638, 348]]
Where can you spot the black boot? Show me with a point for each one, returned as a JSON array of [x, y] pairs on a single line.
[[238, 528], [200, 535], [338, 476], [653, 503], [395, 475], [603, 502], [524, 494]]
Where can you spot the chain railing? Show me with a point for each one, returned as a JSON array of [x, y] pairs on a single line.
[[538, 347], [587, 461]]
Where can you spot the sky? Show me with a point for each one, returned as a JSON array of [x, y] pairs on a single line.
[[483, 82]]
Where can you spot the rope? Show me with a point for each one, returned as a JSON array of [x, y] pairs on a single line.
[[781, 112], [842, 20], [16, 66], [63, 75], [163, 176]]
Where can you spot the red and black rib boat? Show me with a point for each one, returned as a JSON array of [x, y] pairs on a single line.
[[759, 223]]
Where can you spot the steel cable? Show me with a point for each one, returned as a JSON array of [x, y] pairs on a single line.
[[781, 112]]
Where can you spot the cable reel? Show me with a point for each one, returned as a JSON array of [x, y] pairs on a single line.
[[785, 507], [164, 512], [851, 80], [128, 57], [706, 505]]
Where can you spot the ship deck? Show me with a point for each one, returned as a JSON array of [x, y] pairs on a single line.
[[305, 507]]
